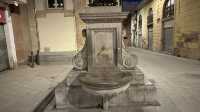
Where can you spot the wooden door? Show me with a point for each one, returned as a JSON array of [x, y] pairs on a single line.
[[150, 38], [168, 30], [168, 39]]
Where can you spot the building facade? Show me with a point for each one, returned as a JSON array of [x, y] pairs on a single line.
[[56, 25], [18, 35], [59, 28], [169, 26]]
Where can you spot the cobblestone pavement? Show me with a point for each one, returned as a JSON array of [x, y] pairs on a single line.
[[22, 89], [178, 80]]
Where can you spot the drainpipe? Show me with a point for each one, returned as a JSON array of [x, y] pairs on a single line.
[[33, 34], [38, 38]]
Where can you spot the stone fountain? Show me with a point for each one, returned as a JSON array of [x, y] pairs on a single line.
[[103, 69], [104, 53]]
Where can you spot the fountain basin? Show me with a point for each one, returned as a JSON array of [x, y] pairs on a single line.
[[105, 83]]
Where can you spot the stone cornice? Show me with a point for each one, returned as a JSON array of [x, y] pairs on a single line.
[[103, 17], [13, 1]]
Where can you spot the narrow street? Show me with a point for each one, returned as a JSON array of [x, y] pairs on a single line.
[[177, 79]]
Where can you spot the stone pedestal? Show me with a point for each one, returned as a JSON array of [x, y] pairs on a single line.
[[103, 46]]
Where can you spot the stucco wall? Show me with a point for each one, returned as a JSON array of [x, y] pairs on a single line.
[[57, 33]]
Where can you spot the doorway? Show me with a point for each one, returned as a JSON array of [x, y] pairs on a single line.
[[168, 26], [168, 39], [150, 38], [4, 64]]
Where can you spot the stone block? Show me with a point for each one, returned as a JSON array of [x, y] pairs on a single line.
[[119, 99], [138, 76], [64, 90], [194, 53], [136, 93], [184, 52], [193, 45], [150, 92], [143, 94], [60, 96]]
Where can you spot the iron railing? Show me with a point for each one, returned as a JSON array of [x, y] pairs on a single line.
[[93, 3]]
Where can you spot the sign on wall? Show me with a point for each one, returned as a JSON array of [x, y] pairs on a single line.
[[2, 16]]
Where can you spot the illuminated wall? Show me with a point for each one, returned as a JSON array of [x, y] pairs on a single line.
[[57, 33], [187, 34], [186, 40], [157, 6]]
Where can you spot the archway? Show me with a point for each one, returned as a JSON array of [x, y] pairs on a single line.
[[140, 31], [150, 28], [168, 26]]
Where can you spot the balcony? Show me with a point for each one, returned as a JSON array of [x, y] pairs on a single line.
[[95, 3]]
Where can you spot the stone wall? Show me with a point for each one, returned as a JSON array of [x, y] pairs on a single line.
[[187, 32], [186, 40], [80, 25], [156, 6]]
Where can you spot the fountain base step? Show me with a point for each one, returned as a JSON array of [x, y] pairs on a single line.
[[70, 97]]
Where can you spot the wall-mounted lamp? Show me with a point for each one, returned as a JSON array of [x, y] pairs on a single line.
[[16, 3], [158, 20]]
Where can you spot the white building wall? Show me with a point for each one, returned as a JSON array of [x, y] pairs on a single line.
[[57, 33], [56, 27]]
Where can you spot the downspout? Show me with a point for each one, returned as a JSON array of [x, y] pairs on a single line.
[[32, 22], [31, 57], [37, 34]]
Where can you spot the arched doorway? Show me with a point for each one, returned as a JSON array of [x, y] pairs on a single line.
[[168, 26], [140, 31], [150, 28]]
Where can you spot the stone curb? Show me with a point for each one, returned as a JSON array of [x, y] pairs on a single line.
[[162, 54], [44, 103]]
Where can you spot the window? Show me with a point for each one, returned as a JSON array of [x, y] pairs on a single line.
[[168, 9], [150, 17], [140, 22], [55, 4]]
